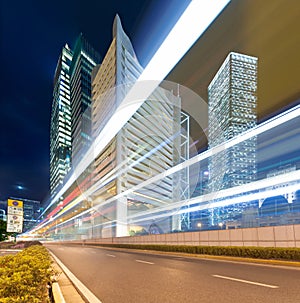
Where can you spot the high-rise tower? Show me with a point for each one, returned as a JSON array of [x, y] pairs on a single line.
[[147, 145], [84, 60], [60, 129], [70, 133], [232, 98]]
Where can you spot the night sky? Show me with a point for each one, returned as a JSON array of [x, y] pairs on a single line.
[[32, 35]]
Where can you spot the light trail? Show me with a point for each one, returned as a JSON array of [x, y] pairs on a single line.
[[215, 199], [209, 201], [274, 122], [291, 177]]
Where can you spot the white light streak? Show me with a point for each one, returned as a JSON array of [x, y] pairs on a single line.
[[290, 177], [190, 26], [235, 195], [290, 183]]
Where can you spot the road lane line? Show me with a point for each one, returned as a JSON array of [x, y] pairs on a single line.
[[245, 281], [113, 256], [146, 262], [89, 296]]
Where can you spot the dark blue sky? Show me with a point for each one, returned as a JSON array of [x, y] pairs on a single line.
[[32, 34]]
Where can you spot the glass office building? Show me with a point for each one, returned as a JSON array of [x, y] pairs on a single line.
[[70, 133], [232, 102], [84, 60], [60, 128]]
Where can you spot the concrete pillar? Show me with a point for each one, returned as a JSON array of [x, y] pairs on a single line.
[[176, 222], [121, 218]]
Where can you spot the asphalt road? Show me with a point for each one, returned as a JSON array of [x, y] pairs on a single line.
[[116, 276]]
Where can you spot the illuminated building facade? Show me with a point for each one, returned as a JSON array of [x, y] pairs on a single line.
[[84, 60], [60, 129], [70, 133], [146, 146], [232, 98]]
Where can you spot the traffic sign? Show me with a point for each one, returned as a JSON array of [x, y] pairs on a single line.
[[14, 216]]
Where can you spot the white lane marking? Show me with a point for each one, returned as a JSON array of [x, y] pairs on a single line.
[[245, 281], [89, 296], [141, 261], [113, 256]]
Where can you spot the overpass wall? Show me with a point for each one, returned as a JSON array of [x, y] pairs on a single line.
[[270, 236]]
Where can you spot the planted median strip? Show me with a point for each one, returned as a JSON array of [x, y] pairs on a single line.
[[25, 277], [274, 253]]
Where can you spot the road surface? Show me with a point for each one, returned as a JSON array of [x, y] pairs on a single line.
[[115, 276]]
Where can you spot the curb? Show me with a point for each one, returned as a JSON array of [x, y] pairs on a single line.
[[78, 292], [63, 290], [57, 294]]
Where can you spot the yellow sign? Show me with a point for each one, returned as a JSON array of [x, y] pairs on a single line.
[[14, 216], [15, 203]]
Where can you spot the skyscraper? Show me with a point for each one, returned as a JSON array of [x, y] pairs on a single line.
[[70, 133], [60, 129], [84, 60], [232, 98], [147, 145]]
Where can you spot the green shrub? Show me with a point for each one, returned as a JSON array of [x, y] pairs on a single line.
[[279, 253], [24, 276]]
